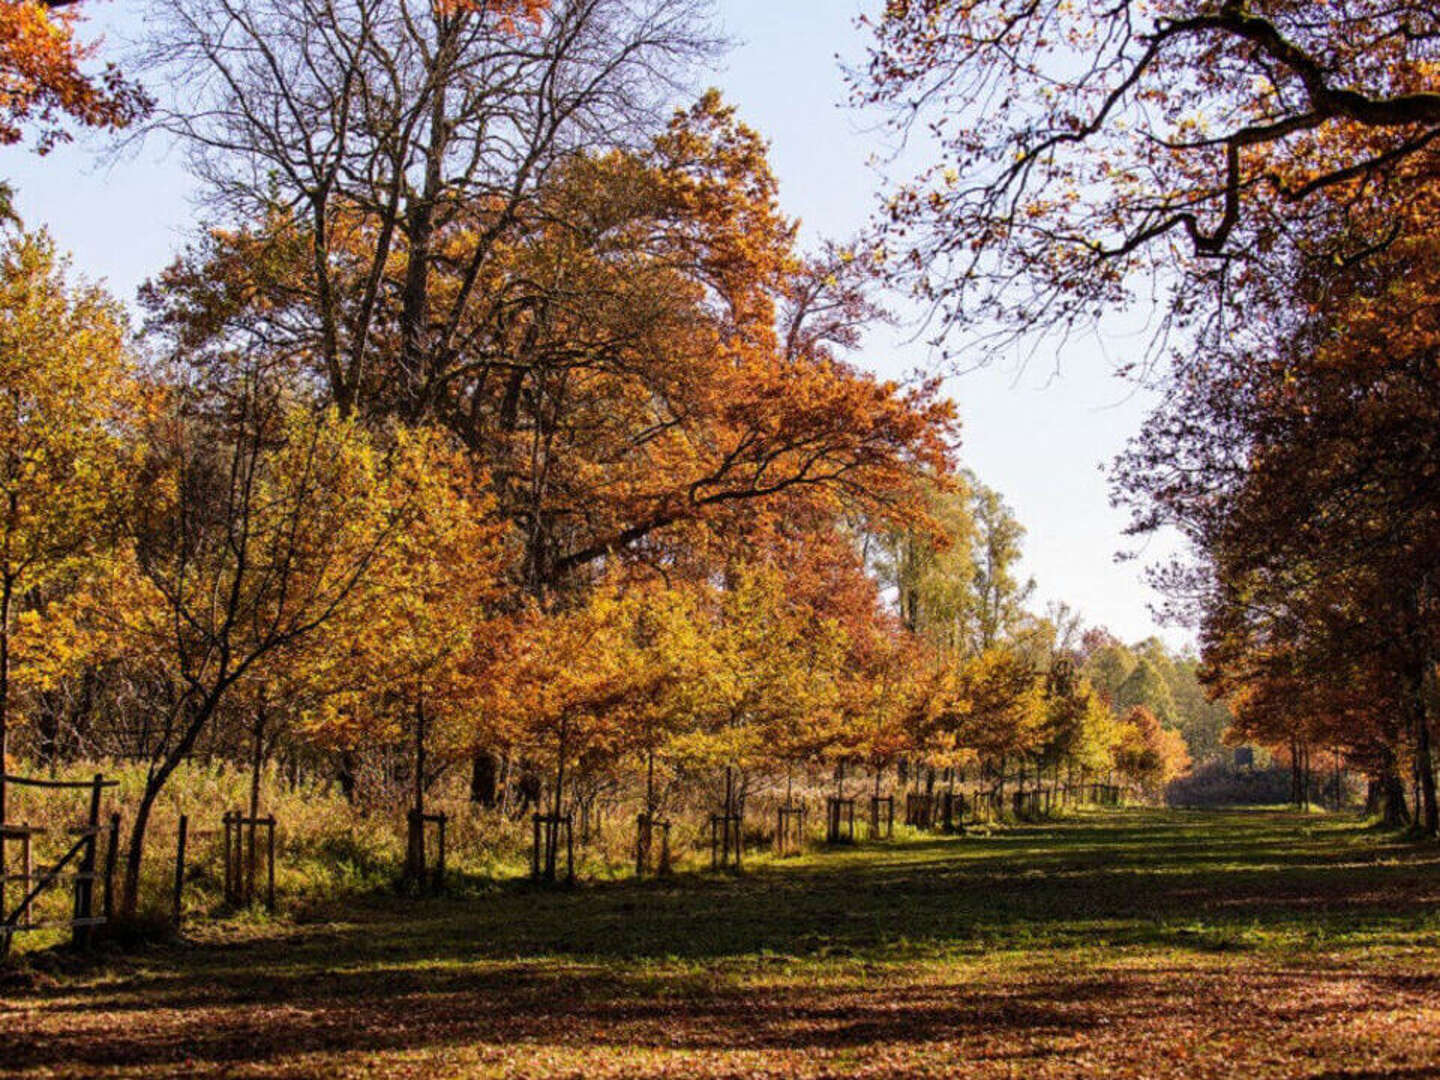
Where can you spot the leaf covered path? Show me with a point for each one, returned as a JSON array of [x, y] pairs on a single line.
[[1138, 943]]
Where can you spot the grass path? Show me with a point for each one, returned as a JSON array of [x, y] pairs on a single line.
[[1137, 943]]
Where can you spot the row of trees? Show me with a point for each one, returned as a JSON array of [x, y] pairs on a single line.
[[1264, 174], [1320, 529], [495, 415], [244, 572]]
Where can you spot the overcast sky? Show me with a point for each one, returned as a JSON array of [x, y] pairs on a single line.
[[1040, 432]]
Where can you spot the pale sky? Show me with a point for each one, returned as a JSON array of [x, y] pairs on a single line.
[[1039, 432]]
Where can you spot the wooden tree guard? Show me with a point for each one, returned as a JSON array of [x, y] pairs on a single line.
[[645, 829], [726, 841], [417, 868], [789, 829], [545, 855], [839, 820], [882, 817], [919, 810], [177, 905], [590, 821], [952, 811], [1035, 803], [727, 829], [240, 868], [34, 880], [1101, 794]]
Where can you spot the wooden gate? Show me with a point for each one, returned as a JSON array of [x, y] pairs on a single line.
[[78, 865]]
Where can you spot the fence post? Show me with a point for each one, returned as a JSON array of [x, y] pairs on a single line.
[[177, 913], [27, 864], [270, 867], [85, 879], [440, 855], [236, 858], [225, 860], [251, 855], [640, 845]]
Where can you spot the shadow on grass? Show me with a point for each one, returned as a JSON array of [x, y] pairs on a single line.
[[687, 963]]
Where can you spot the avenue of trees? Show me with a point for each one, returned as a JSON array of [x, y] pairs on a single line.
[[494, 423], [1267, 173]]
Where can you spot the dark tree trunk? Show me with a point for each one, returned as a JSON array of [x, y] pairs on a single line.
[[484, 779], [257, 766], [196, 716], [7, 592], [415, 854], [1424, 758], [345, 766], [1394, 812]]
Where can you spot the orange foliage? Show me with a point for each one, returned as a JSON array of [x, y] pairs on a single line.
[[1149, 754], [42, 78]]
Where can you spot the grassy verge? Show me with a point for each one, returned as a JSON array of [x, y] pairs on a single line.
[[1137, 943]]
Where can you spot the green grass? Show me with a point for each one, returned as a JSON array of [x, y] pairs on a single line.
[[1135, 943]]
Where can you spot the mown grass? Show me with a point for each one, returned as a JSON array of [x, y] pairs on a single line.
[[1137, 943]]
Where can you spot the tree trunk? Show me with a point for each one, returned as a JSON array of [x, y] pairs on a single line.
[[130, 890], [154, 784], [257, 763], [345, 773], [1306, 776], [484, 779], [1392, 796], [415, 854], [1424, 759], [419, 228], [1295, 772], [7, 593]]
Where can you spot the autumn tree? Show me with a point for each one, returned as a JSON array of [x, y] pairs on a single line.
[[406, 142], [71, 394], [648, 352], [406, 664], [1148, 754], [1090, 155], [1000, 594], [504, 235], [954, 569], [1146, 686], [1299, 462], [992, 704], [44, 81], [931, 567], [1080, 730], [773, 693], [579, 678], [250, 530]]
